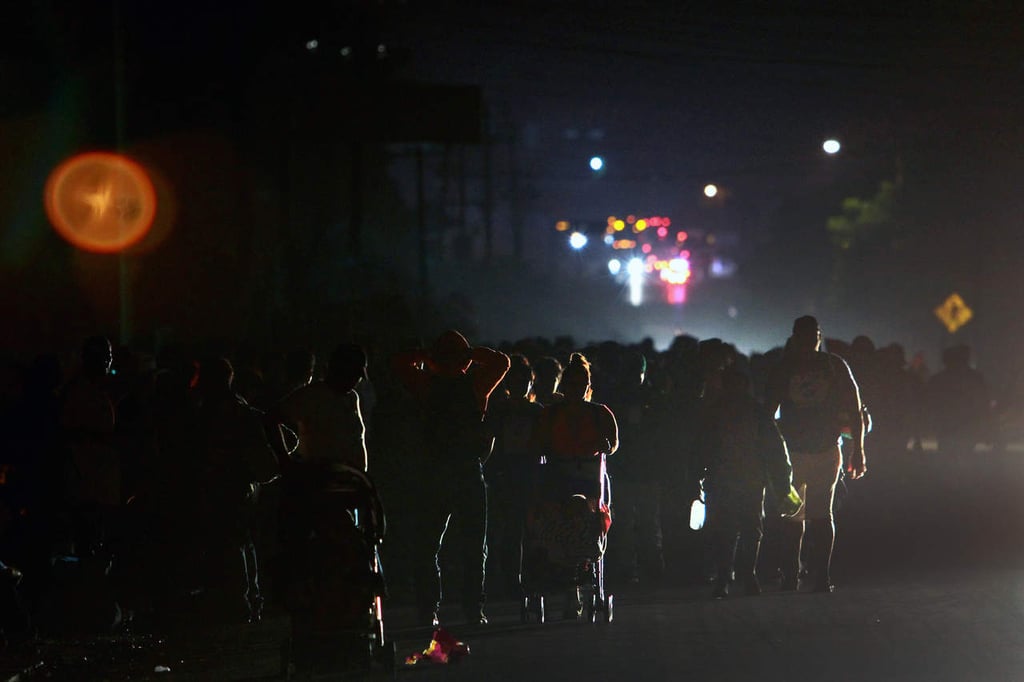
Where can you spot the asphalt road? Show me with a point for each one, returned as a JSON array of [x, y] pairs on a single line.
[[930, 577]]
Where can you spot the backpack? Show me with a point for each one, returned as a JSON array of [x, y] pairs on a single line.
[[814, 415]]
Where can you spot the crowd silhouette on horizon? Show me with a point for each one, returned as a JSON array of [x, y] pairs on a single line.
[[138, 487]]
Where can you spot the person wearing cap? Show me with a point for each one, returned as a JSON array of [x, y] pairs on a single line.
[[817, 399], [452, 382]]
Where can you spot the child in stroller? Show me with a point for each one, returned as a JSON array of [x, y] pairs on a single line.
[[563, 545], [570, 514], [332, 580]]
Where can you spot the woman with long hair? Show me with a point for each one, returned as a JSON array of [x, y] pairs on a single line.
[[575, 435], [569, 518]]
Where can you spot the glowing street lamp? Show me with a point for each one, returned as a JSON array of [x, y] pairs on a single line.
[[100, 201], [831, 146], [710, 191], [577, 240], [596, 163]]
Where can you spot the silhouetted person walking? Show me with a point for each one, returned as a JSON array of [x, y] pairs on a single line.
[[575, 436], [238, 460], [959, 402], [92, 470], [817, 398], [452, 383], [743, 452], [512, 418]]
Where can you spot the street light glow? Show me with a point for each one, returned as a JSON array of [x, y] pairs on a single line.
[[831, 146], [596, 163], [614, 266], [100, 201], [635, 268], [710, 190], [577, 240]]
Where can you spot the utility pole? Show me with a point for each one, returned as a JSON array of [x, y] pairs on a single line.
[[515, 202], [123, 266], [356, 198], [461, 188], [488, 192], [421, 224]]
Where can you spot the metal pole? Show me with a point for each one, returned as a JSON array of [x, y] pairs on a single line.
[[123, 271], [461, 189], [515, 202], [355, 235], [421, 223], [488, 195]]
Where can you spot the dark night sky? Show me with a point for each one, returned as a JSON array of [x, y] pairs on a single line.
[[672, 94], [695, 89], [744, 92]]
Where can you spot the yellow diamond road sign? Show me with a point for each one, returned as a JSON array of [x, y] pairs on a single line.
[[954, 313]]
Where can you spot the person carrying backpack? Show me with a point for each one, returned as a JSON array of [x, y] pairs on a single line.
[[817, 398]]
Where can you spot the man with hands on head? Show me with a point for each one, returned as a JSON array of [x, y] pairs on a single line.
[[452, 382]]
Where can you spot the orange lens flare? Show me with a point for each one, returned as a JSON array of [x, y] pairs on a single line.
[[100, 202]]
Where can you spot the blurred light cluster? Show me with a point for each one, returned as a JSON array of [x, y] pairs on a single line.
[[658, 256], [647, 253], [674, 271], [638, 225]]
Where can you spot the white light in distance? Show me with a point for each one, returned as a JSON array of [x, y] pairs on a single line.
[[635, 268]]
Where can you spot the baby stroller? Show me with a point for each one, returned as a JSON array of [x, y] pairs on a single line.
[[564, 541], [333, 583]]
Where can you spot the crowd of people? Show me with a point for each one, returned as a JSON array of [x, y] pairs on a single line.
[[139, 487]]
